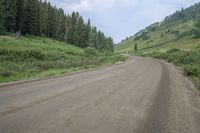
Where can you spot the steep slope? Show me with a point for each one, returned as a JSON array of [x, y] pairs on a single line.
[[180, 30]]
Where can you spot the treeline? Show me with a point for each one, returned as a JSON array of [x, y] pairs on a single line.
[[191, 13], [40, 18]]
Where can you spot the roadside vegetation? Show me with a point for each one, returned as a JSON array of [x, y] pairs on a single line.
[[37, 39], [35, 57], [176, 39], [189, 61]]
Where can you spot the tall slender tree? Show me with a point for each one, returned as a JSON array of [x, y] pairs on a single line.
[[60, 32], [31, 16], [2, 17], [10, 14], [19, 15]]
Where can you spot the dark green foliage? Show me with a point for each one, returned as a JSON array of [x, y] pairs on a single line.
[[152, 27], [2, 17], [192, 70], [142, 35], [135, 47], [7, 15], [90, 51], [196, 33], [37, 17], [173, 50], [161, 34], [10, 14], [50, 30], [31, 23], [19, 15], [60, 33], [197, 22], [79, 34], [13, 55]]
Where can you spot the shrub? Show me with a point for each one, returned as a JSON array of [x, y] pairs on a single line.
[[173, 50], [90, 51], [192, 70], [21, 54]]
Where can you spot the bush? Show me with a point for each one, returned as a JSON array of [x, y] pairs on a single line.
[[90, 51], [173, 50], [21, 54], [192, 70]]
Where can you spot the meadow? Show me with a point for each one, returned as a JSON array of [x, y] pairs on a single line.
[[36, 57]]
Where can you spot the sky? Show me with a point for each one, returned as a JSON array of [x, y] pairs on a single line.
[[122, 18]]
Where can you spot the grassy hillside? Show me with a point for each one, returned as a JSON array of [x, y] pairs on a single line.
[[34, 57], [180, 30], [176, 39], [163, 38]]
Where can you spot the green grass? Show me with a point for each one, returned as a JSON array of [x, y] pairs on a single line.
[[35, 57], [155, 41]]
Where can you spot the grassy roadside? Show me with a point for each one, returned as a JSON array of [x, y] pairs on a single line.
[[36, 57], [188, 60]]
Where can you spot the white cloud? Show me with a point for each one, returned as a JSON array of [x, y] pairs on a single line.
[[83, 5], [120, 18]]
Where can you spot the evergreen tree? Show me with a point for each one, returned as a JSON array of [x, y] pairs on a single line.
[[43, 14], [37, 17], [51, 22], [10, 14], [87, 33], [135, 47], [19, 15], [79, 39], [109, 44], [2, 17], [60, 33], [71, 29], [93, 37], [31, 23]]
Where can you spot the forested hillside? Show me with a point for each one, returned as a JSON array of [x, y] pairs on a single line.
[[40, 18]]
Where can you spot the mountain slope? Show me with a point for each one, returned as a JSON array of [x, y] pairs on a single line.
[[180, 30], [176, 39]]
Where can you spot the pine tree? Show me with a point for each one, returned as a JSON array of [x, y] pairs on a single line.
[[79, 33], [71, 28], [10, 14], [135, 47], [109, 44], [31, 16], [43, 12], [19, 15], [87, 33], [37, 17], [50, 30], [2, 17], [60, 31], [93, 37]]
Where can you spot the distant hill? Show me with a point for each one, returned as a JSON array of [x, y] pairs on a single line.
[[179, 30]]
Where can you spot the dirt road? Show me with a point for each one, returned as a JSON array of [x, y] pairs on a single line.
[[142, 95]]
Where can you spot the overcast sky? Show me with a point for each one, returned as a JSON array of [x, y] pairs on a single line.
[[122, 18]]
